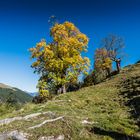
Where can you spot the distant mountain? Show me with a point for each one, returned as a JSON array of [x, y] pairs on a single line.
[[19, 95], [33, 94]]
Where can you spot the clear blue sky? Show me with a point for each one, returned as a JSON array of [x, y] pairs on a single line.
[[25, 22]]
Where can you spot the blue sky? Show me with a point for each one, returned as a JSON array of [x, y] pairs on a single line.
[[23, 23]]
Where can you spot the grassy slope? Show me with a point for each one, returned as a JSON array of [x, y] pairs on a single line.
[[103, 104]]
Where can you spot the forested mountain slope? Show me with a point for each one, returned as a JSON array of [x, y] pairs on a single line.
[[8, 91]]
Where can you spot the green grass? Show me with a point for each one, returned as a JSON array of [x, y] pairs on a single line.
[[101, 104]]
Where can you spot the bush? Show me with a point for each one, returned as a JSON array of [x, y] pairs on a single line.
[[73, 87], [138, 62], [40, 99], [89, 80]]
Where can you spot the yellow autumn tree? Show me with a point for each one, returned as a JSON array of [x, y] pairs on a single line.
[[102, 60], [60, 62], [102, 64]]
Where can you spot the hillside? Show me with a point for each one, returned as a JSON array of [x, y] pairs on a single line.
[[107, 111], [18, 94]]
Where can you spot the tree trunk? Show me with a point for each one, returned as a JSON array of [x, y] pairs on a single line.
[[64, 89], [61, 89], [118, 62], [108, 72]]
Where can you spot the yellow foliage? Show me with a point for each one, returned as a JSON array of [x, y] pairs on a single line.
[[102, 61], [62, 57]]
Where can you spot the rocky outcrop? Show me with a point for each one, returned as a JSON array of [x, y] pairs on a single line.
[[9, 120], [14, 135], [46, 121]]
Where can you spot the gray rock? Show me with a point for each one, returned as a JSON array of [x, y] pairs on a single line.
[[9, 120], [60, 137], [14, 135]]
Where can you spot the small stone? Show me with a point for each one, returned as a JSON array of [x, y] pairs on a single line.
[[87, 122], [60, 137]]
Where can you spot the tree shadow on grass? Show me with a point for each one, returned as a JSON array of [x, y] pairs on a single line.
[[113, 134], [134, 103], [131, 91]]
